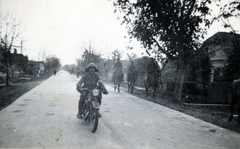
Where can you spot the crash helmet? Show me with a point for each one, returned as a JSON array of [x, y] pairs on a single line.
[[91, 65]]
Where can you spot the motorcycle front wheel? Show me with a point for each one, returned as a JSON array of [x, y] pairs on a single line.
[[93, 119]]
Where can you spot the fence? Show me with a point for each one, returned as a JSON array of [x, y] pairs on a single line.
[[213, 93]]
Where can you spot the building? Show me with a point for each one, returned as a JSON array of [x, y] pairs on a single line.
[[17, 59], [219, 46], [16, 63], [34, 67]]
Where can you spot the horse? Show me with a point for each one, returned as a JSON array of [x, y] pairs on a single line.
[[160, 84], [152, 81], [235, 91], [132, 78], [117, 79]]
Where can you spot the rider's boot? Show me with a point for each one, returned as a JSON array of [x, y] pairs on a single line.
[[79, 115], [99, 115], [122, 77]]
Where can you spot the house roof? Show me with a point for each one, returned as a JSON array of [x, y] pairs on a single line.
[[15, 58], [35, 62], [221, 38], [224, 39]]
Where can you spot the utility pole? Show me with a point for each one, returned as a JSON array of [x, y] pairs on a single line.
[[21, 46]]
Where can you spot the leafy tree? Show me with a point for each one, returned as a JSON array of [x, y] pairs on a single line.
[[90, 56], [51, 63], [116, 54], [79, 63], [198, 73], [232, 70], [170, 27], [68, 67], [132, 56]]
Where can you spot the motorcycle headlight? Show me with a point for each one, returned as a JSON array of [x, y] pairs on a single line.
[[95, 92]]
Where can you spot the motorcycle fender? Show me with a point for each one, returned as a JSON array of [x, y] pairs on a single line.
[[95, 104]]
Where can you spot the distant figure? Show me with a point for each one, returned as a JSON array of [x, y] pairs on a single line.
[[131, 77], [106, 69], [130, 69], [54, 71], [151, 67], [117, 67], [72, 71], [77, 72]]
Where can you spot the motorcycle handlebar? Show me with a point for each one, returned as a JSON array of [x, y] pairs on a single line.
[[87, 89], [84, 89]]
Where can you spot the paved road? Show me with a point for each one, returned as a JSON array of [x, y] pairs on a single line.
[[45, 117]]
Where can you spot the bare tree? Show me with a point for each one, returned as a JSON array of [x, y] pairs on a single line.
[[116, 54], [132, 56], [89, 56], [9, 31], [42, 55]]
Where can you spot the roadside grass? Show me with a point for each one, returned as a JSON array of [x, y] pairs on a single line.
[[18, 87], [217, 115]]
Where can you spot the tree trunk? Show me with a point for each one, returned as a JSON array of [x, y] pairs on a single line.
[[181, 75], [179, 83], [7, 67]]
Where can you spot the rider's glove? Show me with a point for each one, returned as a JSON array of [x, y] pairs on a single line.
[[105, 92]]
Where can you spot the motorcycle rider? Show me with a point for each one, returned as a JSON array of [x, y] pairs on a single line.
[[90, 80]]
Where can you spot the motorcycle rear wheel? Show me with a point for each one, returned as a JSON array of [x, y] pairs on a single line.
[[93, 119]]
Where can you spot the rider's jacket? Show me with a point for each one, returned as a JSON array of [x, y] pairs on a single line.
[[90, 81], [151, 67], [131, 68], [118, 65]]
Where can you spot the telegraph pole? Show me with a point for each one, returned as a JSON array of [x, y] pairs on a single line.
[[21, 46]]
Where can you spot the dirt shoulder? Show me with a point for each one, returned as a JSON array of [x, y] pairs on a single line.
[[19, 87], [217, 115]]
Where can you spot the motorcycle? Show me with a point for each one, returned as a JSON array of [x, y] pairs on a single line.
[[91, 106]]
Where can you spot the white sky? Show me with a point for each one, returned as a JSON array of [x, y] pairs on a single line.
[[66, 27]]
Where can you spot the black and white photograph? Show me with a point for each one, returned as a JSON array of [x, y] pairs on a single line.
[[120, 74]]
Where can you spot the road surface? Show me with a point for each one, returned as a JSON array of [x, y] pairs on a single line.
[[45, 117]]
